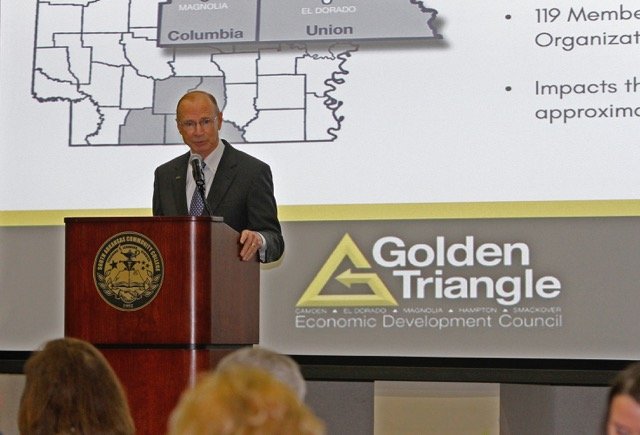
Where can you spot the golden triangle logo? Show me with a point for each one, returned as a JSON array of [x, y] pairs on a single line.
[[380, 294]]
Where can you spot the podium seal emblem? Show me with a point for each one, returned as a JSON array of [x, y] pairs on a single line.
[[128, 271]]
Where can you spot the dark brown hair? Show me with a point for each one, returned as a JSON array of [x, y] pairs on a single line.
[[626, 382], [71, 389]]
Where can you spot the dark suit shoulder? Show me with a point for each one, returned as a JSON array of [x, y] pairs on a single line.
[[180, 161], [235, 156]]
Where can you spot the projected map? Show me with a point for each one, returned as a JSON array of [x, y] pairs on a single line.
[[105, 59]]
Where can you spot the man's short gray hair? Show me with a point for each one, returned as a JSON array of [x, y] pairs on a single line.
[[280, 366]]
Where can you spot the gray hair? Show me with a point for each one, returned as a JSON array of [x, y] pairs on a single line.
[[280, 366]]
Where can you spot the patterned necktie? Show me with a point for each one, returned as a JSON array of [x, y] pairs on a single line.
[[197, 205]]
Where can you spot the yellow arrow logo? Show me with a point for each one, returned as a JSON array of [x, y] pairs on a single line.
[[346, 249]]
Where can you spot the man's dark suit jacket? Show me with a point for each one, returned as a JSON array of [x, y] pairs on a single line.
[[242, 193]]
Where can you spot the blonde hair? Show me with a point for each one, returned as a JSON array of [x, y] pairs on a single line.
[[242, 400], [71, 388]]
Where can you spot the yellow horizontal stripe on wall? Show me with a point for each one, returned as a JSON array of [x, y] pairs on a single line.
[[301, 213]]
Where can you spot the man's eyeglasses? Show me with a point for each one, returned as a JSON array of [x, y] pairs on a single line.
[[204, 123]]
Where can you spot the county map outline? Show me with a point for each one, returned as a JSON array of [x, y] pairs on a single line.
[[102, 59]]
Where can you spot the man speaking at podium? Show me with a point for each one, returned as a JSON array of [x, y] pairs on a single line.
[[237, 186]]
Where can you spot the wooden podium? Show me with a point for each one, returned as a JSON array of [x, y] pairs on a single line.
[[163, 298]]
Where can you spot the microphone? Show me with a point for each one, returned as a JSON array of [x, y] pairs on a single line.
[[196, 167]]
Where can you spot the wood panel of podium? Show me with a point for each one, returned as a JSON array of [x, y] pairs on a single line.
[[163, 298]]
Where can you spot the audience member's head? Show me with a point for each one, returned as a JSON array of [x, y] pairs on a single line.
[[623, 410], [71, 389], [283, 367], [242, 400]]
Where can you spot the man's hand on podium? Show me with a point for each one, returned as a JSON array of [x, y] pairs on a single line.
[[251, 242]]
